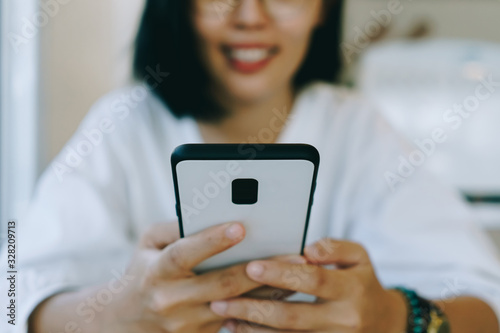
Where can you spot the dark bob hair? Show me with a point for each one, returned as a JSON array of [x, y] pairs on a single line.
[[166, 41]]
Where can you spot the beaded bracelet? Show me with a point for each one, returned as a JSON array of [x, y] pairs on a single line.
[[419, 311]]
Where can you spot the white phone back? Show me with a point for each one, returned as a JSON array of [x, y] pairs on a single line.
[[275, 224]]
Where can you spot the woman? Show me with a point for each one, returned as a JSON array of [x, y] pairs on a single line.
[[247, 71]]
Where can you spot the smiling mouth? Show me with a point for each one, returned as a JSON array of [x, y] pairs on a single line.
[[249, 58]]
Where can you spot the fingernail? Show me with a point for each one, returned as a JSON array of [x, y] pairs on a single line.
[[219, 307], [235, 231], [255, 269]]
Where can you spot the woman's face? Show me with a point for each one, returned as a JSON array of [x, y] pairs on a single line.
[[253, 48]]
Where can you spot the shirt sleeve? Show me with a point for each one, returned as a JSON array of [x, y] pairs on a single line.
[[76, 231], [418, 231]]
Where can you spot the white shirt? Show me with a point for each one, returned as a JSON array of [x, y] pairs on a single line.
[[88, 211]]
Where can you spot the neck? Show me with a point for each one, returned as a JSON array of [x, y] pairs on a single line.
[[256, 122]]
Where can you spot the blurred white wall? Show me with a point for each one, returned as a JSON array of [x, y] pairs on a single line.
[[469, 19], [86, 52]]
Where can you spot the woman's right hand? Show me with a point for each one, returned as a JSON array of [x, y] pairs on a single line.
[[164, 294]]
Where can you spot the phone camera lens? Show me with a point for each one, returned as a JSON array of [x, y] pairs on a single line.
[[244, 191]]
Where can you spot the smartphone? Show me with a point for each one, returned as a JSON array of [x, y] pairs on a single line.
[[267, 187]]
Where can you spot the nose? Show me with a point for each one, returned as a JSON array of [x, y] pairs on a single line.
[[250, 15]]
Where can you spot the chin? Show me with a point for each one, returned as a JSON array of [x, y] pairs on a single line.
[[250, 90], [247, 95]]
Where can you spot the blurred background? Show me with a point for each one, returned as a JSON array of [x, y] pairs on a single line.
[[419, 60]]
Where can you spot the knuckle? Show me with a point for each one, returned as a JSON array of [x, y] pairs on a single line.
[[244, 327], [326, 247], [150, 278], [176, 257], [360, 251], [355, 322], [318, 280], [356, 318], [363, 253], [228, 282], [160, 304], [290, 319]]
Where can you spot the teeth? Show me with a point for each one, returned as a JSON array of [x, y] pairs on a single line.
[[249, 55]]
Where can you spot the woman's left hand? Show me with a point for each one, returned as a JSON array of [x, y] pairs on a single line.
[[349, 298]]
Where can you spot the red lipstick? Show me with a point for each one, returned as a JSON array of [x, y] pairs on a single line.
[[249, 58]]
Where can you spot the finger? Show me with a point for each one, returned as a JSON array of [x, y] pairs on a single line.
[[216, 285], [187, 318], [201, 312], [158, 236], [244, 327], [240, 326], [309, 279], [274, 314], [186, 253], [267, 292], [341, 253]]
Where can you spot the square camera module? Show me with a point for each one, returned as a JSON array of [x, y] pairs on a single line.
[[244, 191]]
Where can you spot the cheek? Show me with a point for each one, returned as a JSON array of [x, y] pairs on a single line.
[[208, 33], [296, 40], [296, 34]]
